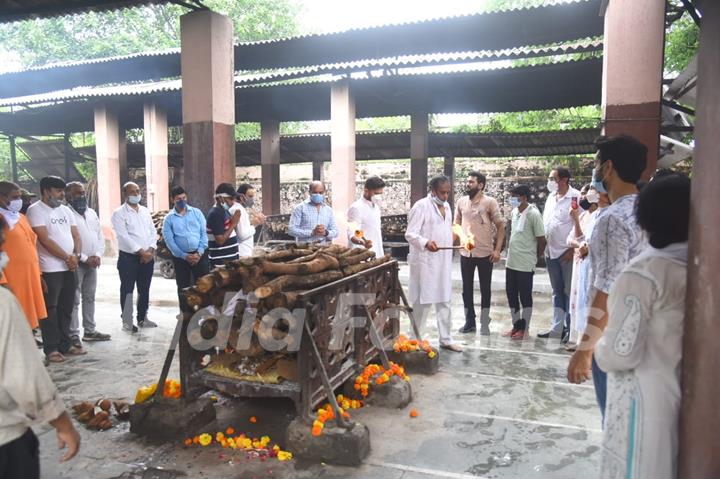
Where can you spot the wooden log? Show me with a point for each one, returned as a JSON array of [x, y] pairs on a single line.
[[356, 258], [290, 282], [205, 284], [352, 252], [194, 298], [287, 300], [357, 268], [323, 262]]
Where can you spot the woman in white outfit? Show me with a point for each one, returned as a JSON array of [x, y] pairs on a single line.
[[641, 348]]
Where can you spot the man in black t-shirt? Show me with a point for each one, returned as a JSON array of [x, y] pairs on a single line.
[[222, 239]]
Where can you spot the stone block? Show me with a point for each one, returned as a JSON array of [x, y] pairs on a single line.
[[336, 445], [416, 362], [396, 393], [166, 418]]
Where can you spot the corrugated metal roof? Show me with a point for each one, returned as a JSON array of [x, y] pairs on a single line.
[[29, 9], [479, 32], [92, 61]]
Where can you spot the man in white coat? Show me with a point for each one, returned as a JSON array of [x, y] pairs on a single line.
[[430, 228]]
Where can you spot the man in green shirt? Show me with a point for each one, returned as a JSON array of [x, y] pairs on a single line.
[[526, 245]]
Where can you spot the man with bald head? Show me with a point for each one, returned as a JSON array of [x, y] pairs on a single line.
[[312, 221], [137, 241]]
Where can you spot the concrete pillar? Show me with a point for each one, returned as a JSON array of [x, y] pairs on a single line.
[[632, 72], [13, 158], [156, 156], [208, 103], [122, 158], [419, 131], [318, 170], [270, 166], [699, 421], [342, 153], [107, 152], [449, 171], [66, 157]]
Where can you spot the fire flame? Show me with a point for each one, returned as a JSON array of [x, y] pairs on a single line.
[[353, 226], [467, 239]]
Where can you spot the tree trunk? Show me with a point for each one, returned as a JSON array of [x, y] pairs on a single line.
[[357, 268], [290, 282], [321, 263], [356, 258]]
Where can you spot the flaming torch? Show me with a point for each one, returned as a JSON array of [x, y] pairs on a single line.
[[359, 233], [467, 240]]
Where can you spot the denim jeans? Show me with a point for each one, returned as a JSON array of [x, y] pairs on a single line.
[[59, 301], [560, 273], [600, 379]]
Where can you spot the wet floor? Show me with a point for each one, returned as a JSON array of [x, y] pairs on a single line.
[[498, 410]]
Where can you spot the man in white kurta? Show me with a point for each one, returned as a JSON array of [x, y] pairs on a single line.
[[429, 228], [365, 215]]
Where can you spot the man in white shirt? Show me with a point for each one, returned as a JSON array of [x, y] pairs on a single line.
[[59, 247], [558, 256], [137, 241], [27, 394], [430, 229], [246, 226], [365, 215], [93, 247]]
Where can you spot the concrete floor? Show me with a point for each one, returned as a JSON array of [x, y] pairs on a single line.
[[497, 410]]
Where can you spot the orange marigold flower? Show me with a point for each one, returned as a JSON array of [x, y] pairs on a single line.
[[188, 442], [316, 431], [253, 419], [413, 413], [230, 431]]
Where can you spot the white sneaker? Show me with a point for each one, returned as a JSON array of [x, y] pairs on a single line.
[[146, 323]]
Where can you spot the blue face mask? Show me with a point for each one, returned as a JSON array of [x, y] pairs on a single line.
[[317, 198], [180, 204], [514, 201], [598, 183], [225, 206]]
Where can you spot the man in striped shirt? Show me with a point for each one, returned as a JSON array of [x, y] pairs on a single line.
[[222, 239]]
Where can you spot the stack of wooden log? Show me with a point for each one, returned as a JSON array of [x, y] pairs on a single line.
[[162, 250], [278, 276]]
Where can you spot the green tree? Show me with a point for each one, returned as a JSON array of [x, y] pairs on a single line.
[[152, 27]]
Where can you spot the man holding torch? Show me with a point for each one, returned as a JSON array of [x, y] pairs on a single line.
[[364, 225], [430, 235]]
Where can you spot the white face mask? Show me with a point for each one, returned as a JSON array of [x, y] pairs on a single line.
[[552, 186], [15, 205], [377, 199], [134, 200], [438, 201], [592, 196], [4, 260]]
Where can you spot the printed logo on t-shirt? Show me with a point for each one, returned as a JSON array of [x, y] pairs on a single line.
[[60, 221]]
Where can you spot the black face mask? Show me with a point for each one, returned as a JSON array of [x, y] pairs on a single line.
[[79, 204], [585, 204]]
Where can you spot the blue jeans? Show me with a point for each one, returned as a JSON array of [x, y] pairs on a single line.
[[560, 279], [600, 379]]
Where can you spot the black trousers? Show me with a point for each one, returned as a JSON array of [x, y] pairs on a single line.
[[467, 269], [186, 275], [133, 272], [59, 301], [20, 458], [518, 286]]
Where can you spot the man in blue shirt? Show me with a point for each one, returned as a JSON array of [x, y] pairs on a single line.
[[312, 220], [185, 236]]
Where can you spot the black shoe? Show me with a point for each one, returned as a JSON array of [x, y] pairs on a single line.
[[565, 336], [75, 341], [467, 329], [548, 334]]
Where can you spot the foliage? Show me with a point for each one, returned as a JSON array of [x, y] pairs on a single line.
[[681, 44], [537, 120], [152, 27]]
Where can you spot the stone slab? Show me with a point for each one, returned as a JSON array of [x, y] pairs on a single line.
[[170, 418], [336, 445]]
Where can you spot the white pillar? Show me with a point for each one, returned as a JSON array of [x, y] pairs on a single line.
[[107, 152], [156, 156], [342, 153]]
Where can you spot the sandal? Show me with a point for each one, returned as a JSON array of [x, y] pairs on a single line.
[[55, 357]]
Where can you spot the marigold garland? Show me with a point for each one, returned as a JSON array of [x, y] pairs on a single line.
[[171, 390], [373, 373], [406, 345], [225, 439]]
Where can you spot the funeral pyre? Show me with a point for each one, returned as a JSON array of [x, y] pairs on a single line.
[[287, 279]]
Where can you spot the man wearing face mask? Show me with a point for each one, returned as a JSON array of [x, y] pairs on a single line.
[[184, 232], [22, 269], [429, 229], [221, 224], [558, 256], [93, 247], [59, 247], [479, 215], [365, 215], [137, 242], [312, 221], [245, 228], [616, 240]]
